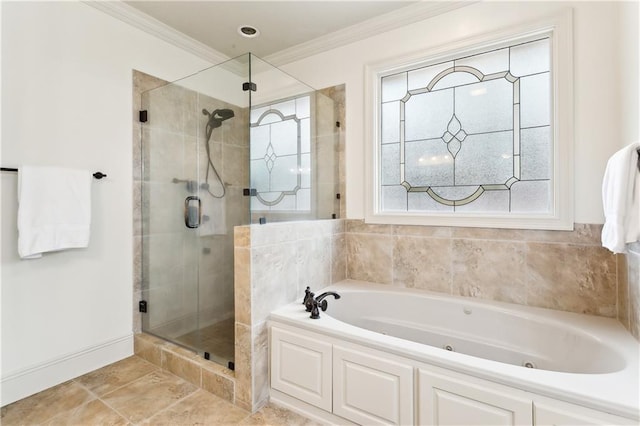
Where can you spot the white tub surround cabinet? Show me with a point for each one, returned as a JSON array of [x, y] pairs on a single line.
[[341, 382]]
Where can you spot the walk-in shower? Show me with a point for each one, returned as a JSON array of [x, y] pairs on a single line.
[[238, 143]]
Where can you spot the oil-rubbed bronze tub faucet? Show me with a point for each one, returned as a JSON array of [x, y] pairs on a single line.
[[319, 302]]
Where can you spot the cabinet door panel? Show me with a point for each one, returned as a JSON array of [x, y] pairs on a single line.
[[301, 367], [445, 399], [371, 390], [454, 409]]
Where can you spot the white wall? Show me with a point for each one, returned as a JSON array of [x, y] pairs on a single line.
[[629, 87], [598, 126], [66, 101]]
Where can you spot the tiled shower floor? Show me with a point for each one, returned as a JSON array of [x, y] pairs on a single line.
[[217, 339], [136, 392]]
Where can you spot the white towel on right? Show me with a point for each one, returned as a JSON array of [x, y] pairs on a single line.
[[621, 199]]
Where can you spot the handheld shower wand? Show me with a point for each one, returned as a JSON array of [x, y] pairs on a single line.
[[216, 118]]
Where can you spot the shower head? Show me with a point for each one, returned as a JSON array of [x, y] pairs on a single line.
[[217, 117], [223, 114]]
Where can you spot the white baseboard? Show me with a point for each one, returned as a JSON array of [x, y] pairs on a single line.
[[26, 382]]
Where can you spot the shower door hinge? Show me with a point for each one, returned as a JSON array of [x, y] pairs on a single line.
[[249, 192], [142, 306], [143, 116], [249, 86]]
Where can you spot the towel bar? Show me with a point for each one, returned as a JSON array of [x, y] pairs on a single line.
[[97, 175]]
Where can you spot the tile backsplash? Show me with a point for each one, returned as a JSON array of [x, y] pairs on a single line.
[[564, 270]]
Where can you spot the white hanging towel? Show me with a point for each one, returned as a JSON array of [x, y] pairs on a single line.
[[621, 199], [54, 209]]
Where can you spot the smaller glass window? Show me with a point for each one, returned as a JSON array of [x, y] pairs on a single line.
[[281, 155]]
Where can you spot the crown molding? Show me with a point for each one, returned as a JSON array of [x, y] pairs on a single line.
[[404, 16], [371, 27], [144, 22]]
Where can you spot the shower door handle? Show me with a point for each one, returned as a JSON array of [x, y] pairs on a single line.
[[192, 213]]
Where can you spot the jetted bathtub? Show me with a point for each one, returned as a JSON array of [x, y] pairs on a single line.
[[578, 359]]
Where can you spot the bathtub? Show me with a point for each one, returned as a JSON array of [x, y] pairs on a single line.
[[579, 359]]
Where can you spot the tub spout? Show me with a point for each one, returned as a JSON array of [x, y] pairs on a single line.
[[327, 293], [319, 302]]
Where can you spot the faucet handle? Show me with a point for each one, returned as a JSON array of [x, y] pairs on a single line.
[[308, 299]]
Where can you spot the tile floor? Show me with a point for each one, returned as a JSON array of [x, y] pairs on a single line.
[[136, 392]]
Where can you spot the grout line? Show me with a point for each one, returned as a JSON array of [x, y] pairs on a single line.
[[126, 384], [98, 398], [173, 404]]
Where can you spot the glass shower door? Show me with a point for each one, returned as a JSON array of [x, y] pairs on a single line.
[[205, 135], [195, 157]]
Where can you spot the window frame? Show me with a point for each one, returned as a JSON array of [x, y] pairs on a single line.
[[559, 29]]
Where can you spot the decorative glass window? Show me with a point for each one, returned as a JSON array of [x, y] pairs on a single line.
[[281, 156], [470, 134], [474, 136]]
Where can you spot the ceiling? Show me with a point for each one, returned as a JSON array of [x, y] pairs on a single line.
[[282, 24]]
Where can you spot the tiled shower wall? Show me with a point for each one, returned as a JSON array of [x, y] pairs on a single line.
[[273, 265], [202, 262]]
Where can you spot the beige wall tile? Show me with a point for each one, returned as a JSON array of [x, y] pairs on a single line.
[[571, 278], [493, 270], [623, 290], [588, 234], [338, 258], [242, 236], [242, 286], [137, 150], [313, 258], [310, 229], [148, 348], [218, 384], [260, 360], [273, 233], [358, 226], [273, 278], [423, 263], [369, 257], [243, 363], [185, 368], [633, 259], [235, 164], [489, 234], [423, 231], [137, 208]]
